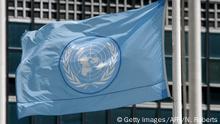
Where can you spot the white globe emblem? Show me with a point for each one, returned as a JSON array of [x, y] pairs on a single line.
[[90, 64]]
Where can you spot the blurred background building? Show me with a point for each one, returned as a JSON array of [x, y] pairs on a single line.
[[26, 15]]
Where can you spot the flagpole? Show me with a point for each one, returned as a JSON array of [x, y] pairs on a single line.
[[176, 39], [195, 82], [2, 62]]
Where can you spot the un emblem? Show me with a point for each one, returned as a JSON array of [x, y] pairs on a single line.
[[90, 64]]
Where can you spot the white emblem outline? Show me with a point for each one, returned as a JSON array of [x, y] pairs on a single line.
[[70, 74]]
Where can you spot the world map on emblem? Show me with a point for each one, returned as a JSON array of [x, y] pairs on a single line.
[[90, 64]]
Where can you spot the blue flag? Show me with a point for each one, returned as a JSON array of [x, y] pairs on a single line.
[[100, 63]]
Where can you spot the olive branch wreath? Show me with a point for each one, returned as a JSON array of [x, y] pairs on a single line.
[[107, 75]]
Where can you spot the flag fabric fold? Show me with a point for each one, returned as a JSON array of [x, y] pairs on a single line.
[[100, 63]]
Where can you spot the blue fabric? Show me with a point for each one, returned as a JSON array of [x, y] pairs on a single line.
[[100, 63]]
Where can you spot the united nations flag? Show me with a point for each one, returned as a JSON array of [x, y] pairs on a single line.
[[100, 63]]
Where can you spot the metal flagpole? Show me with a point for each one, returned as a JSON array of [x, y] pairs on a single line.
[[195, 82], [2, 62], [176, 39]]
